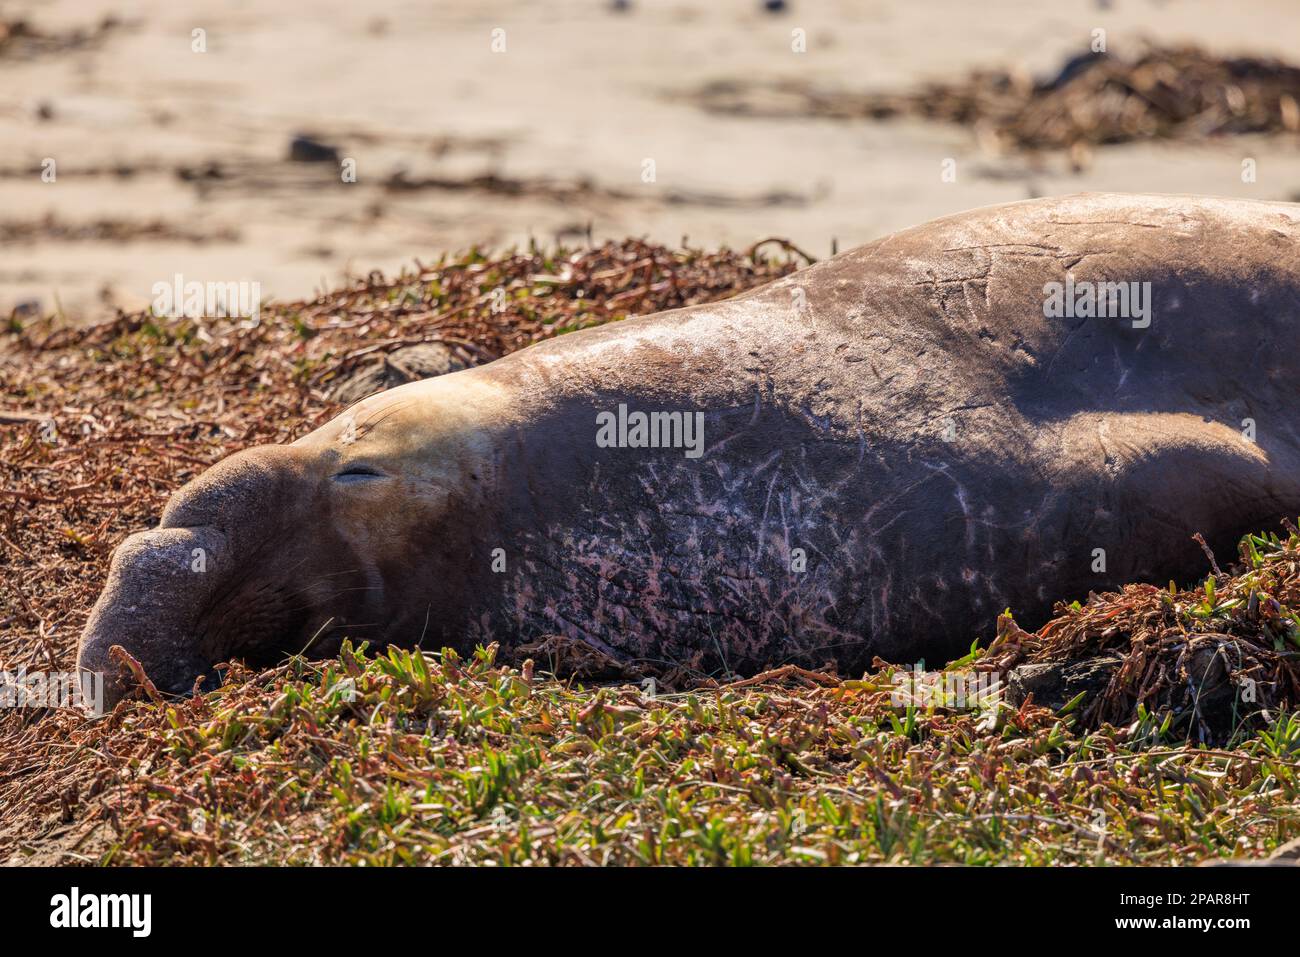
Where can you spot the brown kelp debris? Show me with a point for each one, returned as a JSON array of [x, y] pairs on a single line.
[[50, 228], [1206, 663], [1163, 93], [20, 38]]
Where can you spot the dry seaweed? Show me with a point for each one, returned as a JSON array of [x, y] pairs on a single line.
[[1164, 93], [1215, 659]]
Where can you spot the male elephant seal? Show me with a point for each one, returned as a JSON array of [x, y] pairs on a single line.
[[873, 456]]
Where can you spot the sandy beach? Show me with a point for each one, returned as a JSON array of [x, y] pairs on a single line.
[[170, 161]]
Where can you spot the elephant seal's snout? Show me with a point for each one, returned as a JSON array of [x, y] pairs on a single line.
[[158, 583]]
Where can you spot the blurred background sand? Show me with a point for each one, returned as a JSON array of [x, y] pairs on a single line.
[[170, 161]]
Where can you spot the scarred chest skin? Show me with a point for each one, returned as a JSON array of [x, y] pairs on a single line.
[[899, 444]]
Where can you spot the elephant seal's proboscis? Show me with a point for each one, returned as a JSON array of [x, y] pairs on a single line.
[[871, 457]]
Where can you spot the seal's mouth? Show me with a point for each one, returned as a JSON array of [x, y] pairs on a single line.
[[158, 583]]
